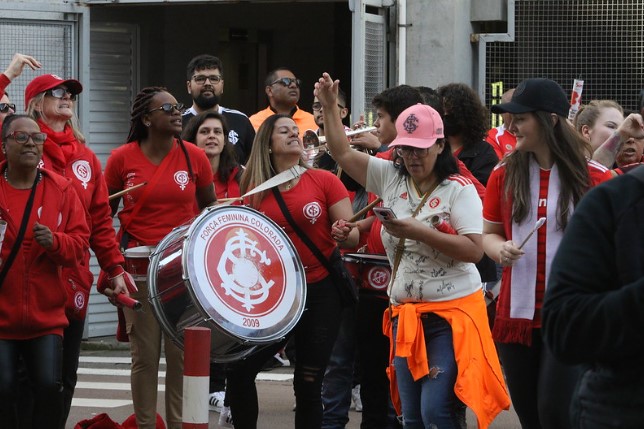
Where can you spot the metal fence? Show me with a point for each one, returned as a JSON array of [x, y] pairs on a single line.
[[598, 41]]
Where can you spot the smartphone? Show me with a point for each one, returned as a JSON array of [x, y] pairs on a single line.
[[384, 213]]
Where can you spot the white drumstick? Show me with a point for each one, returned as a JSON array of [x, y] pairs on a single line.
[[537, 225], [351, 133]]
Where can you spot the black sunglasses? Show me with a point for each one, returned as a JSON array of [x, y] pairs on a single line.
[[60, 93], [4, 107], [168, 107], [287, 81]]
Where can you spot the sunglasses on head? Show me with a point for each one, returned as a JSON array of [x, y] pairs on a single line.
[[60, 93], [4, 107], [168, 107], [287, 81]]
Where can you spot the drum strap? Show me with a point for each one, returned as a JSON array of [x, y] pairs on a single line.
[[314, 249]]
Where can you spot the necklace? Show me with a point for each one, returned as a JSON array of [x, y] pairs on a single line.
[[6, 176]]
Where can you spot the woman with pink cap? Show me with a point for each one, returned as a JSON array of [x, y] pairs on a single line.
[[50, 100], [436, 320]]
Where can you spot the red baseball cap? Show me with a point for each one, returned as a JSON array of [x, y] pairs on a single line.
[[49, 81], [418, 126]]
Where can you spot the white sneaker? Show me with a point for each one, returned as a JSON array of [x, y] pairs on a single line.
[[216, 401], [226, 418], [355, 398]]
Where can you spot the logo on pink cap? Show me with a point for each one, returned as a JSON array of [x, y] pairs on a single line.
[[411, 124]]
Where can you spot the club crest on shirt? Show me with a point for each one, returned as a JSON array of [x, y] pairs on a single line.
[[434, 202], [312, 211], [181, 178], [83, 171], [233, 137], [403, 196]]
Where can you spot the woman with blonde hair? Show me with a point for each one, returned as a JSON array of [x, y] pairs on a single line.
[[313, 201], [50, 101]]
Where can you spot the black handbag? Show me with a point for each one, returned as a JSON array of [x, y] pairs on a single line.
[[341, 276]]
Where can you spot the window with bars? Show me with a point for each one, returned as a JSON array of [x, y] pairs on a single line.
[[49, 42], [598, 41]]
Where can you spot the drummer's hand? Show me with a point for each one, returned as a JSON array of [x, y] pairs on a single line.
[[119, 286], [509, 253], [110, 294], [341, 229]]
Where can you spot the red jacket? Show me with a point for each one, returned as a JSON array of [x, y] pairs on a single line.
[[32, 296], [65, 155]]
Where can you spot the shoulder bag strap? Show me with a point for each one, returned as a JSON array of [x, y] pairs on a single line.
[[314, 249], [21, 231], [400, 247]]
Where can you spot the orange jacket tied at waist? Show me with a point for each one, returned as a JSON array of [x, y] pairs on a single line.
[[479, 383]]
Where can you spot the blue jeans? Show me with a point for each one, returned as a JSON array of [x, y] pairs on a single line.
[[338, 378], [430, 402]]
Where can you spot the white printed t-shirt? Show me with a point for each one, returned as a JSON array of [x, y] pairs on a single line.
[[425, 274]]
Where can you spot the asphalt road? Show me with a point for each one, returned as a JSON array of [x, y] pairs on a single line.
[[104, 388]]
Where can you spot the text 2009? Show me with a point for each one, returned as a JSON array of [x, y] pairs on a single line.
[[251, 323]]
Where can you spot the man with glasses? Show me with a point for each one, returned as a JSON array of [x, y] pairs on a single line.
[[205, 84], [283, 92], [18, 62]]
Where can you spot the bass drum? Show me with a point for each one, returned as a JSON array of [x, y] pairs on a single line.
[[232, 270]]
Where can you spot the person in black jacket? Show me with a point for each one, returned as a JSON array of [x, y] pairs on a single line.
[[465, 122], [592, 312]]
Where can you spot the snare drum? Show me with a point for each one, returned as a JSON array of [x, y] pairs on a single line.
[[137, 260], [232, 270], [371, 272]]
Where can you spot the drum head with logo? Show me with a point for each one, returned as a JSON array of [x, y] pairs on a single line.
[[245, 272]]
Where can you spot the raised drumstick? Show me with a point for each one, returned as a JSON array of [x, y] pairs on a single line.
[[368, 207]]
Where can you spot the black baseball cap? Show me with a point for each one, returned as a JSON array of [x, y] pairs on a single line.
[[536, 94]]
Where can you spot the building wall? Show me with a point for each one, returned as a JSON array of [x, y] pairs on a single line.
[[438, 42]]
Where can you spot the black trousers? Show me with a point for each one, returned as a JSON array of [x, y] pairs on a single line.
[[373, 348], [42, 357], [314, 336]]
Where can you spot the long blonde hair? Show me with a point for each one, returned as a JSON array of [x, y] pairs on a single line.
[[35, 114], [259, 167]]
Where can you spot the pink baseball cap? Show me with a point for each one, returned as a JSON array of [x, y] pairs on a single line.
[[49, 81], [418, 126]]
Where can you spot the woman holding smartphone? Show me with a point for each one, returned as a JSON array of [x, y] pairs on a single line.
[[436, 300]]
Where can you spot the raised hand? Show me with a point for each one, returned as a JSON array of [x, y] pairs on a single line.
[[18, 63]]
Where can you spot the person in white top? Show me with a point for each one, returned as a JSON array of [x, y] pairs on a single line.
[[437, 304]]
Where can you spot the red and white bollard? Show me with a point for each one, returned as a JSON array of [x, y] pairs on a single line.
[[196, 375]]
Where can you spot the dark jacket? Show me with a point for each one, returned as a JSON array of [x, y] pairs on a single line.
[[593, 312], [480, 159]]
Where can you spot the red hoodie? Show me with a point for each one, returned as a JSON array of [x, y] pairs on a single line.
[[32, 296]]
